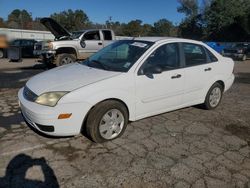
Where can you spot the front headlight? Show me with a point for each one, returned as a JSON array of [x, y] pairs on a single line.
[[50, 46], [240, 51], [50, 98]]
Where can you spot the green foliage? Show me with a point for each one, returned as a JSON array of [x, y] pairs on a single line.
[[133, 28], [218, 20], [188, 7], [72, 20], [228, 20], [2, 23], [163, 27], [19, 19]]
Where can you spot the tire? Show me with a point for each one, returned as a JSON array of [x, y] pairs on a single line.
[[215, 91], [244, 58], [1, 54], [63, 59], [100, 126]]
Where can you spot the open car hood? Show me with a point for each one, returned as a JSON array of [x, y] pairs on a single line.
[[55, 28]]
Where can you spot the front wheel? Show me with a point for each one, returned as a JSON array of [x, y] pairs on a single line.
[[107, 121], [213, 96], [63, 59]]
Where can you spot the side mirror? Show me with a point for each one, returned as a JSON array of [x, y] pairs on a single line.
[[152, 70], [82, 43]]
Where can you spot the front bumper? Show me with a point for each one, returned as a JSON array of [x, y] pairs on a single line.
[[45, 118], [47, 56]]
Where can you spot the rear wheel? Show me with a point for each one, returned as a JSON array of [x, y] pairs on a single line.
[[107, 121], [213, 96], [63, 59]]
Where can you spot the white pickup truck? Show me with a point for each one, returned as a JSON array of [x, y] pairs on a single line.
[[69, 47]]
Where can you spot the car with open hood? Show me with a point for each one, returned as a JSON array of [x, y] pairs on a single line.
[[69, 47], [125, 81]]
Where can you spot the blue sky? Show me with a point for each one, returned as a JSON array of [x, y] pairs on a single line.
[[99, 11]]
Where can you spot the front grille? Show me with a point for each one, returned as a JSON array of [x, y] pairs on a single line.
[[29, 95], [38, 47]]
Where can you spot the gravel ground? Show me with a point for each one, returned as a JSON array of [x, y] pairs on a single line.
[[190, 147]]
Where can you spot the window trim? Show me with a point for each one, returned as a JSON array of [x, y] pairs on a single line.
[[203, 47], [97, 31], [208, 56], [139, 73]]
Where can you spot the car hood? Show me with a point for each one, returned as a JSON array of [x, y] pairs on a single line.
[[55, 28], [67, 78]]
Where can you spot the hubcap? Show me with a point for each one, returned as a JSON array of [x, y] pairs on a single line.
[[111, 124], [66, 60], [214, 97]]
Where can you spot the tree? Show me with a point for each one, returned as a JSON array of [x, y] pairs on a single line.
[[228, 20], [133, 28], [2, 23], [19, 19], [147, 30], [163, 27], [188, 7], [72, 20], [192, 26]]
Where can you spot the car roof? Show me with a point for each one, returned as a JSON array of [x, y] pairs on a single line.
[[166, 39], [85, 30]]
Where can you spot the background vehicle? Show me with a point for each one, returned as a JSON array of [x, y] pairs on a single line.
[[26, 46], [238, 51], [113, 86], [69, 47], [7, 35], [216, 46]]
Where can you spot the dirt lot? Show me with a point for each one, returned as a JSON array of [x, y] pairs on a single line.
[[185, 148]]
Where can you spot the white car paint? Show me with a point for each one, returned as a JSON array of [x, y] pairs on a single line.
[[143, 96]]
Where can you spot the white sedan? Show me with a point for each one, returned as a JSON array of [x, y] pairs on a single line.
[[126, 81]]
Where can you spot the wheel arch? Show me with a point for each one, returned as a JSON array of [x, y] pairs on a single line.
[[108, 99], [67, 50], [221, 83]]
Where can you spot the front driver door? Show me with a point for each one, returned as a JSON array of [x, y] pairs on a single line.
[[158, 93], [90, 43]]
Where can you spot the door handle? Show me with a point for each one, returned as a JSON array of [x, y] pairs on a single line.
[[99, 43], [208, 69], [176, 76]]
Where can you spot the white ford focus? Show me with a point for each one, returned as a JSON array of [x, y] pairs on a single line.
[[126, 81]]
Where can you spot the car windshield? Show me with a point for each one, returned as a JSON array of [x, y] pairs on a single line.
[[119, 56], [76, 34]]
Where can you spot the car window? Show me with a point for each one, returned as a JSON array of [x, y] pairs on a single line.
[[92, 35], [119, 56], [166, 56], [211, 56], [107, 34], [27, 43], [194, 54], [15, 43]]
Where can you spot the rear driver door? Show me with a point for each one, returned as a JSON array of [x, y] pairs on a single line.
[[200, 68]]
